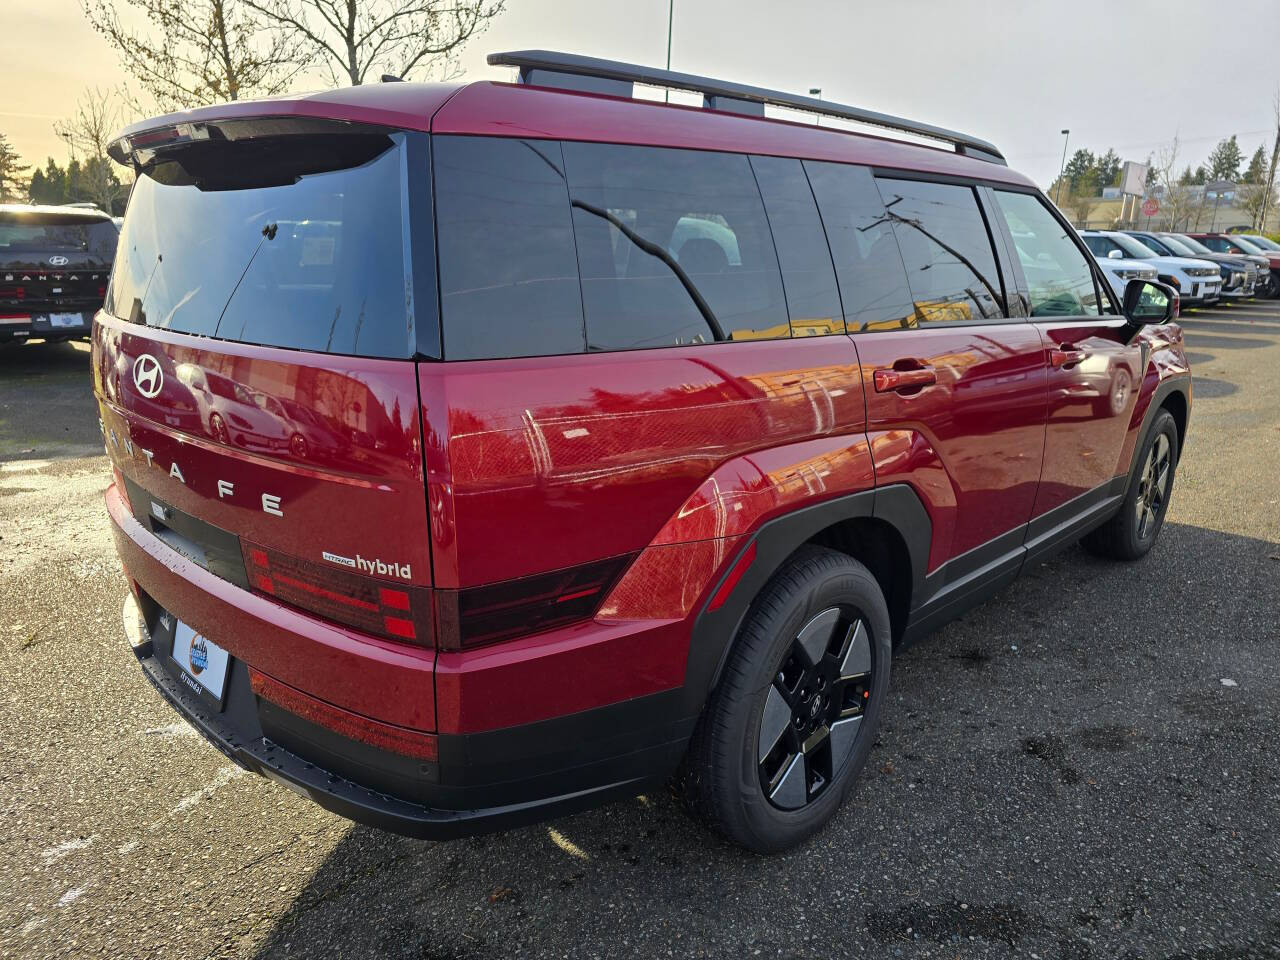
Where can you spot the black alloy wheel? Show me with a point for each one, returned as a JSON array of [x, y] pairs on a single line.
[[814, 707]]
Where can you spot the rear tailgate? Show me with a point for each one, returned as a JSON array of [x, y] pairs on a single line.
[[254, 365], [317, 458]]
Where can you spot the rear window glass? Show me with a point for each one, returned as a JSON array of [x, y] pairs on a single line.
[[807, 275], [49, 234], [946, 248], [286, 258], [873, 286], [674, 247], [508, 274]]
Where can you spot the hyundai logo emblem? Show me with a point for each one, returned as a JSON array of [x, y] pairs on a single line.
[[147, 375], [58, 261]]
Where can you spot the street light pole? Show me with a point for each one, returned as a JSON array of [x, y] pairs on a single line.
[[1066, 135], [816, 92]]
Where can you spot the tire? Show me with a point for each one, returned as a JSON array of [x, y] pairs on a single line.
[[813, 655], [1133, 530]]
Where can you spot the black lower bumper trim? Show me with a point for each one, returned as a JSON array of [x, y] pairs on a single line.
[[237, 734]]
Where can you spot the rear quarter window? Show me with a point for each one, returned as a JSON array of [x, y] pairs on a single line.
[[508, 272]]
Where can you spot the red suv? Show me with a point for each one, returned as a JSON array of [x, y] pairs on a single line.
[[485, 452]]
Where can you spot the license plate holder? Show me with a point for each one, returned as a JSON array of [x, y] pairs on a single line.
[[202, 666], [66, 320]]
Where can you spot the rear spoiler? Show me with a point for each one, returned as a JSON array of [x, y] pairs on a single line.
[[138, 149]]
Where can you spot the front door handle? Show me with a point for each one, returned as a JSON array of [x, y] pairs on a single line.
[[887, 379], [1066, 356]]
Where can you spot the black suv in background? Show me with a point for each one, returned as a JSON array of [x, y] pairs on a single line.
[[54, 265]]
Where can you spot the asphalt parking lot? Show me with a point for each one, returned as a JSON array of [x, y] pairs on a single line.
[[1085, 767]]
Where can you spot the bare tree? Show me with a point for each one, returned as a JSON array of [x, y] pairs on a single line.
[[357, 38], [1084, 197], [190, 53], [98, 116], [1270, 182], [1178, 203], [13, 182], [1256, 198]]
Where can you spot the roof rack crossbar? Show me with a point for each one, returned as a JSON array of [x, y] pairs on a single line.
[[548, 68]]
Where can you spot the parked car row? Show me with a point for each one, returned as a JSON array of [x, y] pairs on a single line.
[[1203, 268]]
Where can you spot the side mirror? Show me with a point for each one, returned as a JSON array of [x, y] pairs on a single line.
[[1147, 302], [1115, 255]]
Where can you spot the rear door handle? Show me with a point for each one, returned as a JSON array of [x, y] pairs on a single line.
[[888, 379], [1066, 356]]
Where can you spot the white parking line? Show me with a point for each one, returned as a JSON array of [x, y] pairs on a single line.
[[54, 854], [220, 780]]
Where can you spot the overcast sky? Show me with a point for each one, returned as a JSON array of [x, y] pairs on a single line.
[[1127, 74]]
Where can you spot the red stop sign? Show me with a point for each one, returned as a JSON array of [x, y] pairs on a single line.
[[1150, 207]]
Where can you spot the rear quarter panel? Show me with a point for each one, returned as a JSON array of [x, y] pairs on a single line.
[[538, 464]]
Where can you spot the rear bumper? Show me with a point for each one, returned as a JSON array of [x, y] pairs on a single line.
[[253, 750], [477, 781], [42, 325]]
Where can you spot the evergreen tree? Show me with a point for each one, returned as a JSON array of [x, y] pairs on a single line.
[[1109, 169], [1081, 163], [1256, 172], [13, 182], [1224, 162]]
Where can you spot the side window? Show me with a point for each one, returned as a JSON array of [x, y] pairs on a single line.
[[508, 275], [673, 247], [946, 248], [1059, 278], [1098, 246], [873, 285], [808, 278]]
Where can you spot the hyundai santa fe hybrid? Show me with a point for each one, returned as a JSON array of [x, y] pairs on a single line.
[[485, 452]]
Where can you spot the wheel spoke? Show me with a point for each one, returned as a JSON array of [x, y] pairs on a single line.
[[773, 724], [843, 735], [857, 652], [816, 636], [792, 790]]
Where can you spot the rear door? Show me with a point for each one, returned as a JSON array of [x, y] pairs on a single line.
[[955, 386], [255, 378], [1094, 370]]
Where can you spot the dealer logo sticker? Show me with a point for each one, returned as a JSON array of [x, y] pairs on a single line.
[[199, 657]]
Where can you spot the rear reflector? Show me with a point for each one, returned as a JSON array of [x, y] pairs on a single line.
[[409, 743], [372, 606], [744, 563], [528, 605]]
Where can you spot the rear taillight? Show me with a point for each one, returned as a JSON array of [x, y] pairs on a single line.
[[379, 607], [13, 293], [528, 605]]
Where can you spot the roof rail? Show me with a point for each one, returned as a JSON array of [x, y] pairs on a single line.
[[545, 68]]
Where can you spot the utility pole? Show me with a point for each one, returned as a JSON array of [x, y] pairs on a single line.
[[816, 92], [671, 14], [1066, 135]]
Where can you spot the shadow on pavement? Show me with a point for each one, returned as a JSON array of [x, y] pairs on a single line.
[[1037, 756], [47, 410]]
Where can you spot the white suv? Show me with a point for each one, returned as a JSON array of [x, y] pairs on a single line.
[[1198, 282], [1120, 270]]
